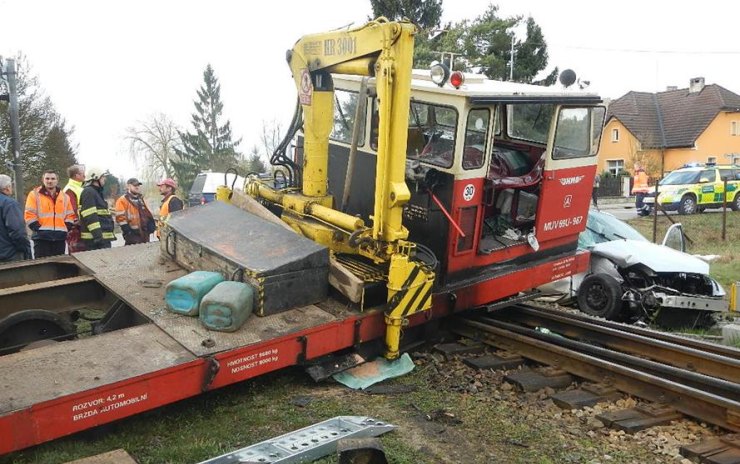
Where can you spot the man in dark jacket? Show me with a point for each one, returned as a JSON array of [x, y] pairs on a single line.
[[96, 222], [14, 243]]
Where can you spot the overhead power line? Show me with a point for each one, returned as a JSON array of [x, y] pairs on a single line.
[[638, 50]]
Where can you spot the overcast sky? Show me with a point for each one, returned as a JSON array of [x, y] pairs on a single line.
[[107, 65]]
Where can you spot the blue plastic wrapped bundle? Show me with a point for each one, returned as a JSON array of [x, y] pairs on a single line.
[[227, 306], [183, 295]]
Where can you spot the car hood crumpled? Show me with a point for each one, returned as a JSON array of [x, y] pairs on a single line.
[[659, 258]]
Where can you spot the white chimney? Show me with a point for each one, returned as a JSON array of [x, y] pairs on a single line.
[[696, 84]]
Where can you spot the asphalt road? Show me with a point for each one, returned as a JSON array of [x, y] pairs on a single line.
[[624, 209]]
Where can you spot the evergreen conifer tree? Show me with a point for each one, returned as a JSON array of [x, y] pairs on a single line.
[[209, 145]]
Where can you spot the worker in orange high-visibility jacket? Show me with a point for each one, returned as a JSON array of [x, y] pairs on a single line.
[[96, 221], [49, 214], [640, 189], [170, 201], [133, 215]]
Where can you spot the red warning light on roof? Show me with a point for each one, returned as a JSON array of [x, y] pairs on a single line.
[[457, 79]]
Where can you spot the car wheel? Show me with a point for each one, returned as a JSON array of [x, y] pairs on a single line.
[[735, 205], [687, 205], [600, 295]]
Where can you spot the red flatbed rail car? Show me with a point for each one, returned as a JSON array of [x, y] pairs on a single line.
[[66, 387]]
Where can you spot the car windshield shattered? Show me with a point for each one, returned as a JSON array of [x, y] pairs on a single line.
[[603, 227]]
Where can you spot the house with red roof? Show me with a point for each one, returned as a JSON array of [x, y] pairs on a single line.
[[669, 129]]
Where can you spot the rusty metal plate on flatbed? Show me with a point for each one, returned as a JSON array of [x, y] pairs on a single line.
[[129, 272], [65, 368]]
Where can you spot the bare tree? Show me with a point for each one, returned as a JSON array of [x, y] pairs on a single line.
[[152, 143], [647, 158], [272, 134]]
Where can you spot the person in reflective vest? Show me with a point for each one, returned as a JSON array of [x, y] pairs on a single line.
[[49, 215], [96, 221], [170, 202], [640, 187], [73, 189], [133, 216]]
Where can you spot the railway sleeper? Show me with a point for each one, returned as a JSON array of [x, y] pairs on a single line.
[[725, 450], [530, 380]]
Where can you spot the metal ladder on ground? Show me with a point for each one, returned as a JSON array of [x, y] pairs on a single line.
[[307, 444]]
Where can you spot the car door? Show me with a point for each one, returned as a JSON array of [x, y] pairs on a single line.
[[732, 183], [675, 238], [709, 187]]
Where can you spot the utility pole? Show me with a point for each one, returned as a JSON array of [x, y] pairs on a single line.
[[15, 136], [511, 59]]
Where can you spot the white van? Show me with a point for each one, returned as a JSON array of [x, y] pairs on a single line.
[[204, 186]]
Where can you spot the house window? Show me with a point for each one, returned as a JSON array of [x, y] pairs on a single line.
[[711, 160], [615, 135], [734, 128], [615, 166]]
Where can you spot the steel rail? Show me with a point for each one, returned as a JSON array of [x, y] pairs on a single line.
[[689, 400], [667, 349], [706, 383], [721, 350]]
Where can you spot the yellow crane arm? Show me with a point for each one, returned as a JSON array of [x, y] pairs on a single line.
[[385, 50], [380, 48]]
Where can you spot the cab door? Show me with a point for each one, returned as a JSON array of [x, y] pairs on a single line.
[[570, 167]]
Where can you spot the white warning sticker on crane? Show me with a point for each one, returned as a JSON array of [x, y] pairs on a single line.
[[305, 91]]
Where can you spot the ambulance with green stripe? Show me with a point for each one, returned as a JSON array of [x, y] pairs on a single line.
[[695, 188]]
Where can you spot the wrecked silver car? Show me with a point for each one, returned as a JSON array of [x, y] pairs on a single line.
[[631, 278]]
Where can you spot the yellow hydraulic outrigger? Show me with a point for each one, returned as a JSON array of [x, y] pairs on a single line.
[[384, 50]]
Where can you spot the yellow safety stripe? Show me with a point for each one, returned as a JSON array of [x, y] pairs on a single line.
[[93, 226], [87, 212], [89, 236], [104, 211]]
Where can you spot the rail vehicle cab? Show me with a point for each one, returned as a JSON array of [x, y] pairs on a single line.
[[500, 173]]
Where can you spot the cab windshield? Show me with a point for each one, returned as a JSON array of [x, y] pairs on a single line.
[[681, 178]]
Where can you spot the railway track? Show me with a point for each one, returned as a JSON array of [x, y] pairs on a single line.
[[698, 379]]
